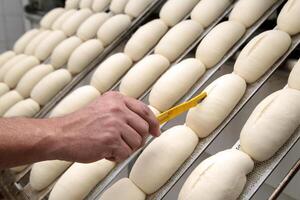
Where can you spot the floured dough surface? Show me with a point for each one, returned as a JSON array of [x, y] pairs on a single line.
[[25, 108], [24, 40], [3, 89], [48, 20], [136, 7], [288, 17], [118, 6], [8, 100]]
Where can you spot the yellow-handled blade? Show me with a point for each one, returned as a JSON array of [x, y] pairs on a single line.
[[177, 110]]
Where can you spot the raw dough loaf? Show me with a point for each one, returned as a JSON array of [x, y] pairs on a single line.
[[178, 39], [18, 169], [145, 38], [142, 75], [288, 18], [172, 85], [124, 189], [84, 55], [9, 64], [223, 95], [3, 89], [220, 177], [31, 78], [158, 162], [57, 25], [260, 54], [135, 7], [8, 100], [218, 42], [16, 72], [6, 56], [48, 20], [181, 8], [154, 110], [24, 40], [72, 4], [118, 6], [80, 179], [88, 29], [86, 4], [50, 85], [100, 5], [112, 28], [70, 26], [110, 71], [25, 108], [248, 12], [207, 11], [294, 78], [32, 45], [271, 124]]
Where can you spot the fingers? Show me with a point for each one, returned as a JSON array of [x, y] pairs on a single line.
[[131, 138], [121, 153]]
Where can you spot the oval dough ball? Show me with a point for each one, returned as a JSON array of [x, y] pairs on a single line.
[[207, 11], [294, 80], [80, 179], [143, 74], [3, 89], [112, 28], [110, 71], [14, 75], [78, 99], [135, 7], [72, 4], [57, 25], [222, 176], [6, 56], [118, 6], [9, 64], [172, 85], [145, 38], [45, 48], [88, 29], [271, 124], [25, 108], [260, 54], [24, 40], [50, 85], [63, 51], [8, 100], [218, 42], [288, 17], [48, 20], [178, 39], [157, 162], [100, 5], [124, 189], [84, 55], [248, 12], [86, 4], [182, 8], [36, 41], [31, 78], [70, 26]]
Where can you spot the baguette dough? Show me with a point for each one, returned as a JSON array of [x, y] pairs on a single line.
[[48, 20], [181, 8], [31, 78], [24, 40], [3, 89], [162, 158], [8, 100], [118, 6], [288, 17], [57, 25], [223, 95], [124, 189], [110, 71], [72, 4], [294, 80], [50, 85], [112, 28], [9, 64], [178, 39], [260, 54], [80, 179], [145, 38], [25, 108], [100, 5], [32, 45], [271, 124], [172, 85], [84, 55], [218, 42], [6, 56], [142, 75], [86, 4], [220, 177], [135, 7]]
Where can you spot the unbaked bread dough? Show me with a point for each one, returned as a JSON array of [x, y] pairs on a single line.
[[25, 108], [9, 64], [162, 158], [18, 169], [143, 74], [32, 45], [72, 4], [154, 110], [57, 25], [118, 6], [145, 38], [100, 5], [110, 71], [172, 85], [3, 89], [86, 4], [261, 53], [6, 56], [218, 42], [24, 40], [294, 78], [8, 100], [288, 17], [135, 7], [48, 20], [178, 39], [222, 96]]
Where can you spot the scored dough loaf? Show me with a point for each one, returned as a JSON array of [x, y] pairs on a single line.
[[145, 38], [24, 40], [86, 4], [112, 28], [177, 39], [218, 42], [220, 177], [294, 80], [9, 64], [110, 71], [162, 158], [100, 5], [30, 48], [118, 6], [222, 96], [25, 108], [172, 85], [50, 85], [135, 7], [48, 20], [6, 56], [84, 55], [271, 124], [182, 8], [80, 179], [57, 25], [260, 54], [3, 89], [8, 100], [288, 17], [124, 189], [72, 4], [143, 74]]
